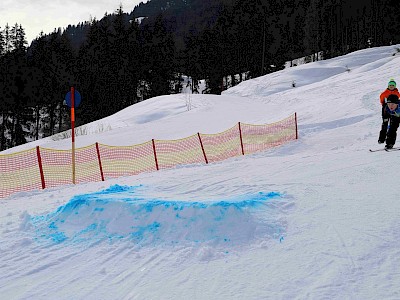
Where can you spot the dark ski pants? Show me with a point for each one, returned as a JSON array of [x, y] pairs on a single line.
[[392, 132], [384, 127]]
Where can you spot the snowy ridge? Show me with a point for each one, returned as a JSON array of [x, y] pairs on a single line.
[[90, 218]]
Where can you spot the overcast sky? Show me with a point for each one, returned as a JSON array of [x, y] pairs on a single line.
[[45, 15]]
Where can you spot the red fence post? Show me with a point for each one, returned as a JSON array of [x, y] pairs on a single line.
[[241, 140], [295, 120], [202, 148], [73, 133], [99, 158], [155, 153], [40, 167]]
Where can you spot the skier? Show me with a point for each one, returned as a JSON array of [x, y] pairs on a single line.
[[391, 90], [392, 109]]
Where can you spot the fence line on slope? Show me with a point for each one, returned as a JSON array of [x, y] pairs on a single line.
[[41, 168]]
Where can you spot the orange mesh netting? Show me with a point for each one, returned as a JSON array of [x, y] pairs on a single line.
[[179, 152], [127, 160], [57, 166], [19, 172], [222, 145], [262, 137], [40, 168]]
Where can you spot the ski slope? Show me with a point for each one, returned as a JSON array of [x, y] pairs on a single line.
[[317, 218]]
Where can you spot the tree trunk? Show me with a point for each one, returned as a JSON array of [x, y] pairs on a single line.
[[2, 131], [60, 117], [12, 133], [37, 122], [51, 120]]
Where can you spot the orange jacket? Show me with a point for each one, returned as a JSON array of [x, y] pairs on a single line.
[[388, 92]]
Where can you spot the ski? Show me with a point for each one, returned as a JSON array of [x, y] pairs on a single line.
[[384, 149], [376, 150], [393, 149]]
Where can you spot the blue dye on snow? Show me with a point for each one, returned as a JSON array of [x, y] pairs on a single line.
[[121, 213]]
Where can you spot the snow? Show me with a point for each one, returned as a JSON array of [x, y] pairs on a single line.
[[317, 218]]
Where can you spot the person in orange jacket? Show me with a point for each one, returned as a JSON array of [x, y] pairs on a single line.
[[391, 90]]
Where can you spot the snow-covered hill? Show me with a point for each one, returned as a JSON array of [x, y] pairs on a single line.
[[317, 218]]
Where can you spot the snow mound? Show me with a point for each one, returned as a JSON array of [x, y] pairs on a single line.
[[121, 213]]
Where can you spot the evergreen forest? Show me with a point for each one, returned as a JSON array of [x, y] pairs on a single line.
[[127, 57]]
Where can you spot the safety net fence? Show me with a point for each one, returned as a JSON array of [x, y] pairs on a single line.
[[41, 168]]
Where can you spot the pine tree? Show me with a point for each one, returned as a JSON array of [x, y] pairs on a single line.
[[7, 39], [3, 102], [60, 68], [2, 89], [191, 58], [121, 83], [16, 93], [40, 83], [96, 71], [135, 62], [18, 39], [53, 60], [313, 29], [389, 29], [159, 52], [2, 43]]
